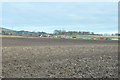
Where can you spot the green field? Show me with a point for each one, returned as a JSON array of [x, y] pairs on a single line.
[[92, 37]]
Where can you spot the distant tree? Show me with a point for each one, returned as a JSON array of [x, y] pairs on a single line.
[[57, 32], [106, 34], [3, 32], [70, 32], [112, 34], [116, 34], [63, 32], [92, 33]]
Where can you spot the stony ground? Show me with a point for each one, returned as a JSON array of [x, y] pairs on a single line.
[[59, 58]]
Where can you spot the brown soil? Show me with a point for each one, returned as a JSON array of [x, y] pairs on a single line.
[[59, 58]]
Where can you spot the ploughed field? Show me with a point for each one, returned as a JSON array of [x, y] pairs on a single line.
[[59, 58]]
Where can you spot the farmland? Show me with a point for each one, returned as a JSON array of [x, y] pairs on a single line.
[[59, 58], [58, 36]]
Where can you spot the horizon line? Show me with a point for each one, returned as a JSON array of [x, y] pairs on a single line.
[[65, 30]]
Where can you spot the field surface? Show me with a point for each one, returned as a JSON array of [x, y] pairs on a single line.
[[59, 58]]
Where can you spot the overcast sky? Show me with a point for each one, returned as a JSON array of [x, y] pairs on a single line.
[[98, 17]]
